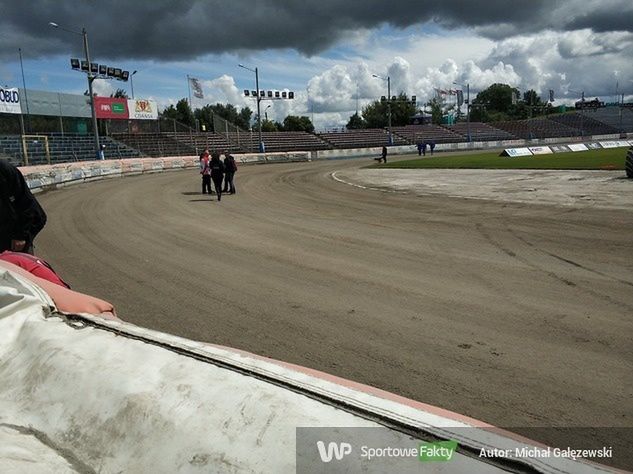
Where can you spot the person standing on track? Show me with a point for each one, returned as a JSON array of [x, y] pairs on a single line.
[[217, 173], [205, 171], [384, 154], [21, 216], [230, 167]]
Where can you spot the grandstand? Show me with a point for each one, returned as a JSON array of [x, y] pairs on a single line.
[[416, 133], [156, 144], [62, 148], [537, 128], [362, 138], [278, 141], [584, 123], [480, 132], [620, 119]]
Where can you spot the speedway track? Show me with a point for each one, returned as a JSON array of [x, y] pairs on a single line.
[[519, 315]]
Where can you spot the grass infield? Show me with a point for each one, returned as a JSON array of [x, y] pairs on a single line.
[[606, 159]]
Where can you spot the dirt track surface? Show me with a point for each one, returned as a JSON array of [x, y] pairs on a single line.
[[520, 315]]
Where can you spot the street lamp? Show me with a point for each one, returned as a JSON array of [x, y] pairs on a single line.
[[266, 112], [91, 78], [132, 82], [467, 107], [388, 79], [259, 115]]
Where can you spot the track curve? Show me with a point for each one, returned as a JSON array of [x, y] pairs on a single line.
[[515, 314]]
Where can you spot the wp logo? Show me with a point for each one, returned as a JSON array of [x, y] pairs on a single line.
[[333, 450]]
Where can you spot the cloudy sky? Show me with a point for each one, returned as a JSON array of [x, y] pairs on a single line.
[[325, 51]]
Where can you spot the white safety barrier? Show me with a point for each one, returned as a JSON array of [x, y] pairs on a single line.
[[83, 394]]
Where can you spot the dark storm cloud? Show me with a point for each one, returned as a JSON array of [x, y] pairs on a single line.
[[178, 29]]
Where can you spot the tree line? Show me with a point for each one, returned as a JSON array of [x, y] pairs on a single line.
[[499, 102]]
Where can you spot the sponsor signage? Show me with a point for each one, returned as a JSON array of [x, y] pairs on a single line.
[[111, 108], [560, 148], [593, 146], [512, 152], [540, 150], [613, 144], [10, 100], [142, 109], [578, 147]]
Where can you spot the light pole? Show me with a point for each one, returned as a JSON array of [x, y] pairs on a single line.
[[132, 82], [259, 115], [467, 108], [388, 79], [266, 112], [582, 110], [91, 78]]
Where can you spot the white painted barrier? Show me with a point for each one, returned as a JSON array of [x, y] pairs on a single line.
[[83, 394], [50, 176]]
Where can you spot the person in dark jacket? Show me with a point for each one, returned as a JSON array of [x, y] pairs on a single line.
[[217, 173], [21, 216], [384, 154], [230, 167]]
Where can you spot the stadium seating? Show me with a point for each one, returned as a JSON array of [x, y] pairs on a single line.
[[611, 116], [537, 128], [156, 144], [415, 133], [363, 138], [278, 141], [585, 123], [63, 148], [480, 132]]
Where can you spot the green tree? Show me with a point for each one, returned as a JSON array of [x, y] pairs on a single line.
[[181, 113], [437, 110], [355, 122], [497, 99], [269, 126], [375, 114], [298, 124], [532, 98]]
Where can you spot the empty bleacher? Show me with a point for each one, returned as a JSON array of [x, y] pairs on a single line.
[[156, 144], [278, 141], [585, 123], [536, 128], [62, 149], [611, 116], [480, 132], [362, 138], [416, 133]]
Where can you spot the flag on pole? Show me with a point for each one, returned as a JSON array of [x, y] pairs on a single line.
[[196, 87]]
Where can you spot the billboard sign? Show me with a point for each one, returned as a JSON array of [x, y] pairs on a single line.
[[142, 109], [110, 108], [512, 152], [540, 150], [10, 100]]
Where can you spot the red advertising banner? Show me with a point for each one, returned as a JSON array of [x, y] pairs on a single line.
[[110, 108]]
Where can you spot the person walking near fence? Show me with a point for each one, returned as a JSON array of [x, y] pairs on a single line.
[[230, 167], [21, 216], [217, 173], [205, 171]]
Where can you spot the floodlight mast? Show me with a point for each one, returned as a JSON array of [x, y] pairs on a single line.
[[259, 115], [132, 83], [388, 79], [91, 78], [467, 107]]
